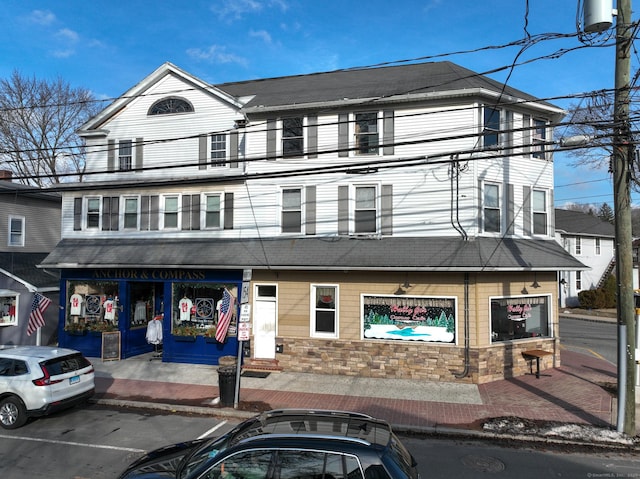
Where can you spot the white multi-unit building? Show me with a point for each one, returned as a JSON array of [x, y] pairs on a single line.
[[387, 222], [591, 241]]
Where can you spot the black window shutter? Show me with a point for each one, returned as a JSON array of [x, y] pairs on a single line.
[[343, 135], [144, 213], [195, 212], [114, 213], [154, 213], [388, 132], [312, 136], [111, 155], [77, 214], [139, 153], [106, 213], [526, 210], [202, 152], [343, 210], [228, 211], [186, 212], [510, 207], [271, 139], [233, 149], [386, 213], [310, 210]]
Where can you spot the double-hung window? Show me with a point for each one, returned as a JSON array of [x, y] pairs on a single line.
[[491, 127], [131, 213], [212, 211], [578, 280], [366, 133], [491, 208], [292, 210], [539, 207], [170, 212], [598, 247], [539, 138], [324, 311], [292, 137], [578, 246], [125, 155], [366, 212], [93, 213], [218, 149], [16, 231]]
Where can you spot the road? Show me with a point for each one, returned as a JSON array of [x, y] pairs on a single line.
[[95, 442], [599, 339]]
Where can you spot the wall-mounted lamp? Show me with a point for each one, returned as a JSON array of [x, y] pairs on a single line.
[[563, 281], [535, 283], [400, 291]]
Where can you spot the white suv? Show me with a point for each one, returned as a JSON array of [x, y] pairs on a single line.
[[38, 380]]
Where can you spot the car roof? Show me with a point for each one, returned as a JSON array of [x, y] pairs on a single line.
[[320, 423], [39, 352]]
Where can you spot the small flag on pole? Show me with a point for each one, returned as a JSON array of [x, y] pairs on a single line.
[[224, 315], [38, 307]]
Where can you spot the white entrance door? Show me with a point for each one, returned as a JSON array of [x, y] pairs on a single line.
[[264, 328]]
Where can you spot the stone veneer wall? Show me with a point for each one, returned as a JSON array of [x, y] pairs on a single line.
[[409, 360]]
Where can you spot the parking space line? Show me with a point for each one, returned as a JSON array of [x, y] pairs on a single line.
[[69, 443], [214, 428]]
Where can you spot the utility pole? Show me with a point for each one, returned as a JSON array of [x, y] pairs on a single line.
[[623, 152]]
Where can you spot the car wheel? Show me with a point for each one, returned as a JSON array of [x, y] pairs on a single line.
[[13, 414]]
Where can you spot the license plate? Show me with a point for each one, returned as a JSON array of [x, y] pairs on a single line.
[[74, 379]]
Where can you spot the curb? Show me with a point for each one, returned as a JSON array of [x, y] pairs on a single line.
[[442, 431]]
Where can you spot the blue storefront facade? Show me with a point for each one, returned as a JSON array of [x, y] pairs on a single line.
[[169, 311]]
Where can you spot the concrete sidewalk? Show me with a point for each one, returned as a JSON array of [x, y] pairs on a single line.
[[578, 392]]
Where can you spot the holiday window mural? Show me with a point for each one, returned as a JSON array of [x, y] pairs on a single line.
[[409, 318]]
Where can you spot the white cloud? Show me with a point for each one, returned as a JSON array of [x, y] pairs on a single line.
[[68, 35], [64, 53], [263, 34], [236, 9], [42, 17], [216, 54]]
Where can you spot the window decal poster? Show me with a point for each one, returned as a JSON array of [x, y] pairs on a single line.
[[409, 318]]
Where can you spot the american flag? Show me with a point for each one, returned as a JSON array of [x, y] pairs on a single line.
[[224, 315], [38, 307]]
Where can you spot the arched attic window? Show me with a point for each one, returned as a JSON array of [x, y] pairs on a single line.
[[170, 105]]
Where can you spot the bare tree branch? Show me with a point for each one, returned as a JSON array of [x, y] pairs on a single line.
[[38, 124]]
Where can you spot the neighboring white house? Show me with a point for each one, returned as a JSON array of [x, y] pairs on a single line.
[[591, 241], [387, 222]]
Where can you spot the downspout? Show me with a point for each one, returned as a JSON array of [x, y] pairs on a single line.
[[465, 371], [455, 222]]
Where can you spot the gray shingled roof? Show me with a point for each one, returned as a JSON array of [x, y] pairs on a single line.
[[335, 253], [583, 224], [23, 266], [365, 83]]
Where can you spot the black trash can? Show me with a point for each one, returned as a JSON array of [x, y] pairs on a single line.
[[227, 384]]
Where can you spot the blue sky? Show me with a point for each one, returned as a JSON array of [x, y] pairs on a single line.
[[108, 46]]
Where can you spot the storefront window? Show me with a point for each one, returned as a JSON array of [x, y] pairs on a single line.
[[197, 307], [519, 318], [8, 308], [91, 306], [409, 318]]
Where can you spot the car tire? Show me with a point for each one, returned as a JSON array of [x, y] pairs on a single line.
[[13, 413]]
